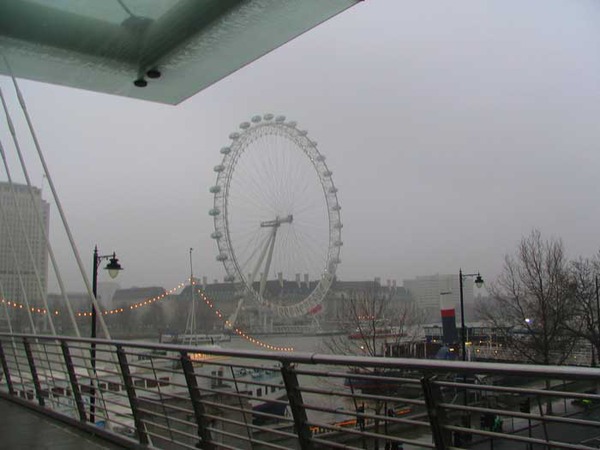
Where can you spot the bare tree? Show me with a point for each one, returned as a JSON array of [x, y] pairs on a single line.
[[532, 301], [584, 276], [369, 320]]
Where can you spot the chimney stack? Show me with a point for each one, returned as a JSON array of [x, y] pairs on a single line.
[[448, 312]]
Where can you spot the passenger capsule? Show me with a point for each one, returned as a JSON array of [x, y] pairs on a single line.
[[280, 119], [333, 190], [268, 117], [216, 235], [222, 257], [256, 119], [245, 125], [214, 212], [214, 189], [226, 150], [235, 135], [219, 168]]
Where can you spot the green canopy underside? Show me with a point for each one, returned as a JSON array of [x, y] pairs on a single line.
[[105, 45]]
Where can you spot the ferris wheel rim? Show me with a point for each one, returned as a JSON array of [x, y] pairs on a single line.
[[240, 142]]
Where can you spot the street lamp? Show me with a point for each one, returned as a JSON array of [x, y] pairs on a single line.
[[113, 268], [478, 283]]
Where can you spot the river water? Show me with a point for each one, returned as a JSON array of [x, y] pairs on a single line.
[[300, 343], [314, 344], [318, 344]]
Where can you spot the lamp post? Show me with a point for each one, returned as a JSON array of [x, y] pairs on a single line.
[[463, 340], [478, 283], [113, 268]]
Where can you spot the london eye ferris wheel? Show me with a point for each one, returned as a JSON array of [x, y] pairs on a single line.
[[276, 214]]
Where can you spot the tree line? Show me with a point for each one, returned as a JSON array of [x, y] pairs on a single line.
[[544, 305]]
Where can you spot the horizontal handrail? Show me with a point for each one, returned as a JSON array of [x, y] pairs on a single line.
[[228, 398]]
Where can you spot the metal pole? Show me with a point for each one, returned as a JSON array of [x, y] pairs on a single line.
[[466, 417], [95, 292], [462, 318], [93, 336], [597, 311]]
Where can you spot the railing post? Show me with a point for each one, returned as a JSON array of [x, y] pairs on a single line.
[[34, 374], [192, 384], [6, 371], [437, 417], [133, 401], [73, 379], [297, 406]]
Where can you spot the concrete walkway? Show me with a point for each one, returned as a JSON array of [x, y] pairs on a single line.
[[21, 428]]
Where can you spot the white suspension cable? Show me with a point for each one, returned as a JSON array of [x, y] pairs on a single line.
[[39, 215], [93, 374], [57, 200], [6, 311], [11, 244], [13, 345], [17, 264], [27, 241]]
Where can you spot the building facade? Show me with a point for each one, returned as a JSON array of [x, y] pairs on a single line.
[[19, 226], [427, 291]]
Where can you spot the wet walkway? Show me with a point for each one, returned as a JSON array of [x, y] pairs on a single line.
[[21, 428]]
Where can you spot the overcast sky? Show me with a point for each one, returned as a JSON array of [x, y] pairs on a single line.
[[452, 129]]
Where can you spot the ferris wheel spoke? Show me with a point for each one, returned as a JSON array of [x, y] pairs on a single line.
[[253, 248], [306, 261], [307, 243], [251, 189]]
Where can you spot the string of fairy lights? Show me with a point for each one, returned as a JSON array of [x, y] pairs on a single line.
[[150, 301], [139, 304], [240, 332]]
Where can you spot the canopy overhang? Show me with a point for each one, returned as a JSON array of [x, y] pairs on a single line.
[[175, 48]]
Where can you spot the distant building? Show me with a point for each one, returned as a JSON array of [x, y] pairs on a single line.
[[106, 292], [80, 302], [290, 292], [123, 298], [426, 290], [18, 225]]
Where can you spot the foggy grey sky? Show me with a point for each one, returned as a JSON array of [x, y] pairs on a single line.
[[452, 129]]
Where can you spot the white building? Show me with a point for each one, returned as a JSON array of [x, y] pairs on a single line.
[[426, 292], [18, 281]]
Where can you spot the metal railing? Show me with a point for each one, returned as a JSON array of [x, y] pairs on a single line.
[[172, 396]]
